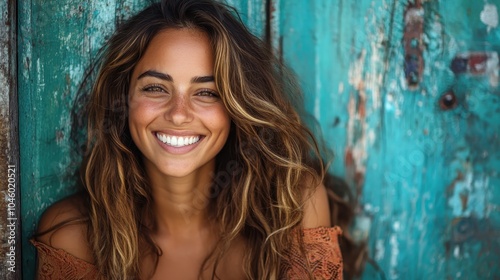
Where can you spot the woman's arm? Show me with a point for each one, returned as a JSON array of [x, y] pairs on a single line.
[[316, 209], [61, 227]]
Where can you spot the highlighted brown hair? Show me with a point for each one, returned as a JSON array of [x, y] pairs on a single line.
[[258, 190]]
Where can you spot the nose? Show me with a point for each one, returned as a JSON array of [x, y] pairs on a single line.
[[178, 110]]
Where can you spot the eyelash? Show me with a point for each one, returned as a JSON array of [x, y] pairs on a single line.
[[153, 88], [159, 88], [207, 93]]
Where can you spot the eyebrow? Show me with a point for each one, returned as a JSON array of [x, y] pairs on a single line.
[[168, 78], [202, 79], [156, 74]]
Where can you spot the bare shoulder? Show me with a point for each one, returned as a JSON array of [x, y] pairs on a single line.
[[316, 207], [62, 227], [232, 260]]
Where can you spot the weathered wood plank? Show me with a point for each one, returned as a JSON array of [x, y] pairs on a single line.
[[252, 13], [471, 138], [10, 218], [58, 40]]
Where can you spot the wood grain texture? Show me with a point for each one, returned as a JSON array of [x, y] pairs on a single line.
[[423, 161], [252, 13], [58, 40]]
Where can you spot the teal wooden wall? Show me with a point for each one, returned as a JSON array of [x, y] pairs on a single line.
[[406, 94]]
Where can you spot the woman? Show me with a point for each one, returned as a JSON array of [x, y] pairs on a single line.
[[198, 164]]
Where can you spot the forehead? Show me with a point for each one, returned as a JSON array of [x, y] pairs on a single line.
[[171, 48], [180, 37]]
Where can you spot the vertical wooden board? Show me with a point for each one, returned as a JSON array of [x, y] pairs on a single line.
[[10, 235], [295, 38], [472, 139], [431, 171], [337, 49], [58, 40], [330, 58], [407, 198], [437, 187], [252, 13], [427, 150]]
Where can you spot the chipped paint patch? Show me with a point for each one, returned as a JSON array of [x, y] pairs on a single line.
[[365, 99], [412, 40], [477, 63], [356, 126], [392, 105], [489, 16], [469, 196], [104, 17], [40, 78], [414, 15], [374, 78], [456, 251], [361, 229], [356, 71], [379, 250], [394, 243]]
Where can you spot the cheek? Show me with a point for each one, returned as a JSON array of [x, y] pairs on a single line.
[[142, 108], [220, 119], [140, 113], [133, 114], [133, 124]]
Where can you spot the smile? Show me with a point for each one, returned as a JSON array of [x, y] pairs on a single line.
[[177, 141]]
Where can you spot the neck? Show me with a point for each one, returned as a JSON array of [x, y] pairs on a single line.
[[181, 204]]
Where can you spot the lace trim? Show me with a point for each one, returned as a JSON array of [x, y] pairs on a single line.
[[58, 264], [323, 258]]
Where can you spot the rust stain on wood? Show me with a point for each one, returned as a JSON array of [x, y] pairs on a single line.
[[412, 37], [464, 198], [451, 187]]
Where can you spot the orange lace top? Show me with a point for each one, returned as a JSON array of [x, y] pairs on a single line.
[[321, 246]]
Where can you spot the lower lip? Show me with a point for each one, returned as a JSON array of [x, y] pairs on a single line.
[[179, 150]]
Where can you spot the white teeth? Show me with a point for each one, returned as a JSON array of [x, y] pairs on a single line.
[[177, 141]]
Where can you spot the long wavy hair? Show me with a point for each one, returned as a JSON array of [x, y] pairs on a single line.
[[258, 186]]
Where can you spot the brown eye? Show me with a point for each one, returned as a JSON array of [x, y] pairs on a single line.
[[153, 88], [448, 101]]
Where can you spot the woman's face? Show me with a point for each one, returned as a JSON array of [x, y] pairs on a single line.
[[176, 116]]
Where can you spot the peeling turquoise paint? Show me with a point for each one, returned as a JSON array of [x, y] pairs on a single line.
[[57, 42], [425, 175]]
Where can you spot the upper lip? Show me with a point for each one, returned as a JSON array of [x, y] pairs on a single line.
[[183, 133]]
